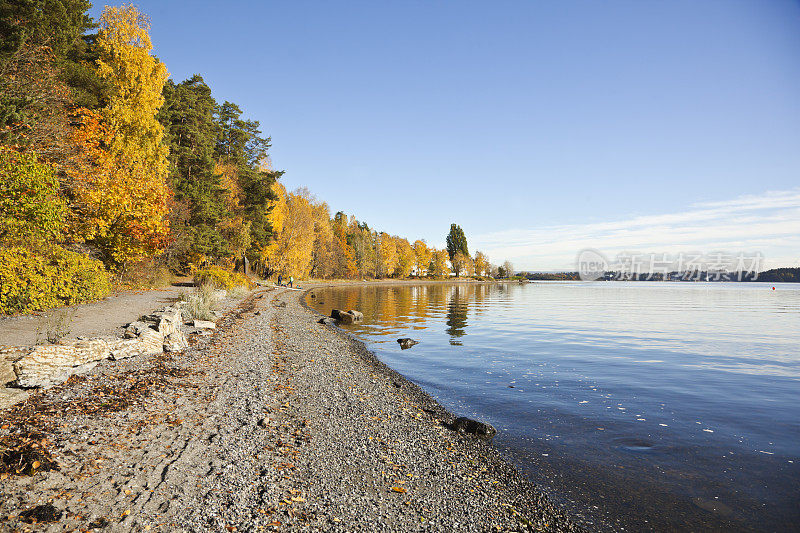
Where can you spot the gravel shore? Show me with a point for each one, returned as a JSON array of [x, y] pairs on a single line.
[[277, 422]]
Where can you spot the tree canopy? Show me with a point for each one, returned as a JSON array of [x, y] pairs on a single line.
[[456, 242]]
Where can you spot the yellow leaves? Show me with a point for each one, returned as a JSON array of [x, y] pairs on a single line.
[[117, 178], [401, 490], [405, 258], [297, 219], [481, 264], [439, 260], [422, 256], [387, 252]]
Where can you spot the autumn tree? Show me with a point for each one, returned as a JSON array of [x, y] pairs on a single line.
[[293, 249], [422, 256], [456, 242], [34, 103], [387, 255], [37, 36], [438, 267], [345, 256], [481, 263], [460, 263], [405, 258], [133, 210], [325, 261], [360, 239]]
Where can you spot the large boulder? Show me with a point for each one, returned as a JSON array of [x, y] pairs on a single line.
[[170, 321], [150, 342], [175, 342], [8, 356], [45, 366]]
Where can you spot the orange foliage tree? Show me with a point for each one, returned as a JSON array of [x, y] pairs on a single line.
[[111, 207]]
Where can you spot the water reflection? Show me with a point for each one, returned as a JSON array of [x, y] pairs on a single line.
[[457, 314], [651, 378], [412, 305]]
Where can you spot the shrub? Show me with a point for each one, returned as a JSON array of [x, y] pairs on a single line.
[[37, 280], [220, 278], [30, 206]]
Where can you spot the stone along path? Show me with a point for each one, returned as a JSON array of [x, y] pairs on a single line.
[[275, 423]]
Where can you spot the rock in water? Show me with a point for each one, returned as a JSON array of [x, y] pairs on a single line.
[[483, 430], [347, 317], [406, 343]]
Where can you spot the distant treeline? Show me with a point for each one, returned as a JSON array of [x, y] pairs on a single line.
[[776, 275], [550, 276]]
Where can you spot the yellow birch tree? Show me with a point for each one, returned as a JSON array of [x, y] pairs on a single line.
[[481, 264], [134, 208], [405, 258], [422, 256]]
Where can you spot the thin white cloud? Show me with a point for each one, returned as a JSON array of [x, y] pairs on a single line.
[[768, 223]]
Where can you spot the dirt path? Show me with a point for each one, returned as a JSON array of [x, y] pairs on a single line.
[[96, 319], [275, 423]]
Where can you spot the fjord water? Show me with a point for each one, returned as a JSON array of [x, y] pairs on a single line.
[[644, 406]]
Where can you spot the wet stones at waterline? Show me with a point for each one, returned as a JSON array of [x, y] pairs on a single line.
[[480, 429]]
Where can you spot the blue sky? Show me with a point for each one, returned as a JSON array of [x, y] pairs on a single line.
[[537, 126]]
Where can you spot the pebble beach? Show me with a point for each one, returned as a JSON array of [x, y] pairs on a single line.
[[276, 422]]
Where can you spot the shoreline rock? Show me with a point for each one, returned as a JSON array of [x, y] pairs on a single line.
[[347, 317], [44, 366]]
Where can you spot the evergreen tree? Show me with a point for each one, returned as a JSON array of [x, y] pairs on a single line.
[[191, 134], [240, 144], [58, 24], [456, 242]]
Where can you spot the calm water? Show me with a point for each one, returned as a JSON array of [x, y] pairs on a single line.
[[636, 405]]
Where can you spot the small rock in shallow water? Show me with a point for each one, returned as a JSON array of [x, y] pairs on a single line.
[[405, 344], [347, 317], [463, 424]]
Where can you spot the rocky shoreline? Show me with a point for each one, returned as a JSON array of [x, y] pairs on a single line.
[[275, 422]]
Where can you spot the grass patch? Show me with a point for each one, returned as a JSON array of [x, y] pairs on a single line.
[[202, 303]]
